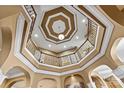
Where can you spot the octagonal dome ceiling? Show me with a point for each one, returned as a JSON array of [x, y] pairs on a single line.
[[58, 20], [91, 39], [51, 21]]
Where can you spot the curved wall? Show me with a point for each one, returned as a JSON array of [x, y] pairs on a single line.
[[6, 45]]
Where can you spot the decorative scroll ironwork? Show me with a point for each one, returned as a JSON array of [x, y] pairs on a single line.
[[68, 59]]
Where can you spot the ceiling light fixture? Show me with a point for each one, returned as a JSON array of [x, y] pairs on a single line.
[[83, 20], [64, 46], [35, 35], [61, 37], [49, 45], [77, 37]]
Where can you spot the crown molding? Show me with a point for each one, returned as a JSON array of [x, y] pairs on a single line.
[[95, 12]]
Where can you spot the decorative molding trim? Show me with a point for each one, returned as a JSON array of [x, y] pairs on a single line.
[[95, 12]]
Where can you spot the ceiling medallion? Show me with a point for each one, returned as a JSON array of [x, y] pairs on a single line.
[[61, 37]]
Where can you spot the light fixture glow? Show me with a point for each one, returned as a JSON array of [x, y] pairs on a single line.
[[35, 35], [61, 37], [77, 37], [49, 45], [83, 20], [64, 46]]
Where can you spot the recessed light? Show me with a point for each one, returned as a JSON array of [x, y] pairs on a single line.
[[61, 37], [77, 37], [64, 46], [49, 45], [35, 35], [83, 20], [33, 15]]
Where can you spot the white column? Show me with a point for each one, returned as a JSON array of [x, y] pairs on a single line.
[[2, 77], [91, 85]]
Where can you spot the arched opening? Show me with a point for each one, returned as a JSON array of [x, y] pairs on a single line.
[[5, 43], [47, 83], [17, 77], [98, 80], [18, 84], [117, 51], [74, 81], [102, 76]]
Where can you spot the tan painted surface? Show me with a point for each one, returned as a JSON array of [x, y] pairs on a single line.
[[34, 79]]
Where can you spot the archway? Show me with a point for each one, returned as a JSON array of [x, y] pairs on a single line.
[[5, 43], [17, 77], [98, 80], [74, 81], [103, 76], [117, 51]]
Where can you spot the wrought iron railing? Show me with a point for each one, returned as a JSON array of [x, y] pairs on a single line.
[[68, 59]]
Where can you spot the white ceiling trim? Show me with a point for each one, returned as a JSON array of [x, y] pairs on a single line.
[[95, 12], [70, 64], [58, 15]]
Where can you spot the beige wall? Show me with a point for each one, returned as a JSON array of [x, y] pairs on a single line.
[[34, 78], [0, 40]]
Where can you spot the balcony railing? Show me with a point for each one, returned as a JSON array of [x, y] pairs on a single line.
[[68, 59]]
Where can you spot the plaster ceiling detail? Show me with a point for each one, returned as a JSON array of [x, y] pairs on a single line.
[[45, 28], [58, 21], [103, 42], [58, 27], [65, 59], [31, 11]]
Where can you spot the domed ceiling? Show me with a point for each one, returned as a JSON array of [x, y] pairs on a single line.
[[61, 39], [59, 28]]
